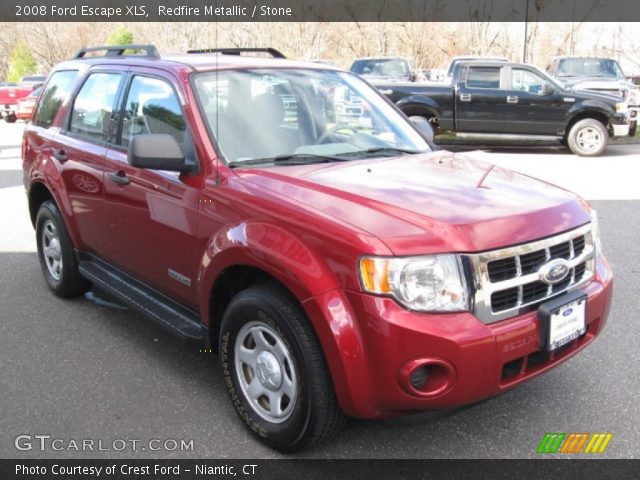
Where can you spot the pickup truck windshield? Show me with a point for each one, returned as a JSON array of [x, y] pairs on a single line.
[[589, 67], [395, 68], [263, 116]]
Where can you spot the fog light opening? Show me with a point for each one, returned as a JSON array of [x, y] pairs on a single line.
[[419, 377], [427, 377]]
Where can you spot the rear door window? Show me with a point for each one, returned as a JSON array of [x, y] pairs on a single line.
[[55, 94], [483, 77], [93, 106]]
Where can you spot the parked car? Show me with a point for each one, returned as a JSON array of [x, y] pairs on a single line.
[[600, 75], [339, 269], [24, 110], [501, 99], [396, 69], [10, 95]]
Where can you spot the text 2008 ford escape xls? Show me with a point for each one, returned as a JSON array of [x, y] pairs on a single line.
[[340, 265]]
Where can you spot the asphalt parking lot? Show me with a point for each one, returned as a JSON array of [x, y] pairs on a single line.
[[74, 370]]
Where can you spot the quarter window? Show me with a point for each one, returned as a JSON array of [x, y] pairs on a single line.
[[152, 107], [483, 77], [55, 94], [93, 106]]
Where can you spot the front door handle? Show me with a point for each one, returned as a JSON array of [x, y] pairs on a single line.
[[512, 99], [60, 155], [465, 97], [120, 178]]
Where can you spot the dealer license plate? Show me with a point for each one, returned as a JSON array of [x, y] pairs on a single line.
[[567, 323]]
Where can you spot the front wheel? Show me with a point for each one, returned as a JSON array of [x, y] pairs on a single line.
[[632, 129], [588, 138], [10, 118], [275, 371]]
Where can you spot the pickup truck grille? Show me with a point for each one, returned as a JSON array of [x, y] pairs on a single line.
[[507, 281]]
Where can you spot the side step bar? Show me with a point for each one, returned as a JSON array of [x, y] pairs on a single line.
[[174, 317]]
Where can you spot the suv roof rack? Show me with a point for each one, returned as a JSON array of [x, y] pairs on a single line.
[[150, 51], [239, 51]]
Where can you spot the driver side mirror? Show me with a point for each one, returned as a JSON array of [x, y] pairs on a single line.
[[423, 126], [157, 151], [547, 89]]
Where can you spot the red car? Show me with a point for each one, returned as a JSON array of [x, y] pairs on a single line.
[[12, 94], [339, 268], [26, 105]]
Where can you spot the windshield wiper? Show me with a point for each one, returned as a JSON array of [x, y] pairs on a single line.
[[289, 159], [383, 150]]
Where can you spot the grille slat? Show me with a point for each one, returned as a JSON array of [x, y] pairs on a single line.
[[513, 267]]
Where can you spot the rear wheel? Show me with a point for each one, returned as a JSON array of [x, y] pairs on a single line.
[[632, 129], [10, 118], [57, 259], [588, 138], [275, 371]]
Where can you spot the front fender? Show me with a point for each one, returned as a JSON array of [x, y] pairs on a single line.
[[587, 106], [306, 275]]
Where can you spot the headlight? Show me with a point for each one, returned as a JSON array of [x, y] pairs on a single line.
[[431, 283], [621, 107], [595, 232]]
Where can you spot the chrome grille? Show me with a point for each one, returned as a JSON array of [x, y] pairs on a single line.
[[507, 281]]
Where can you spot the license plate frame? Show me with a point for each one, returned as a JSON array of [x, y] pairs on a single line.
[[550, 317]]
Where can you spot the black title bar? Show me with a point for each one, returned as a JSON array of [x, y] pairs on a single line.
[[320, 10], [318, 469]]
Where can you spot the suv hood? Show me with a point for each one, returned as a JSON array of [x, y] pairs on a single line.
[[435, 202]]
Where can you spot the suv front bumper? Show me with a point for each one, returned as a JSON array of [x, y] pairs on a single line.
[[466, 360]]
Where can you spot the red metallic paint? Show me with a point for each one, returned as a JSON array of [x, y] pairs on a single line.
[[307, 226]]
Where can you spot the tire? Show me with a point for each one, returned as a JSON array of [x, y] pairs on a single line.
[[10, 118], [268, 347], [632, 129], [588, 138], [55, 251]]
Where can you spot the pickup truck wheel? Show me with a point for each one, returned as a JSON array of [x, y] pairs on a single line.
[[275, 371], [10, 118], [56, 254], [632, 129], [588, 138]]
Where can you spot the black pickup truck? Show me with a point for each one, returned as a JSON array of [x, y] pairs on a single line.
[[513, 100]]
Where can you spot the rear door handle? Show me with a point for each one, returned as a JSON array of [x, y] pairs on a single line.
[[60, 155], [119, 177], [465, 97], [511, 99]]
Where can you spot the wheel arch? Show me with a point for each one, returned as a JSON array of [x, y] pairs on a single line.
[[598, 115], [232, 266], [419, 105], [38, 194]]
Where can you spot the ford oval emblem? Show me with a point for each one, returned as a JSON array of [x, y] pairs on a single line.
[[567, 312], [554, 271]]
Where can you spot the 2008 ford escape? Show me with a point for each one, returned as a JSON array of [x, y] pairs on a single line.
[[341, 265]]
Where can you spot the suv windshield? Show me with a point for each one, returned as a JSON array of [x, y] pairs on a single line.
[[299, 116], [589, 67]]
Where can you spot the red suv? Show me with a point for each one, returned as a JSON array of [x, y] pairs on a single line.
[[340, 267]]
